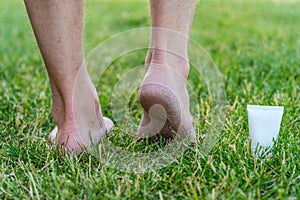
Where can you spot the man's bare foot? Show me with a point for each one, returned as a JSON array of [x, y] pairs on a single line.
[[164, 98], [71, 141], [79, 119]]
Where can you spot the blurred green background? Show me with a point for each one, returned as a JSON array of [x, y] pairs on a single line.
[[255, 44]]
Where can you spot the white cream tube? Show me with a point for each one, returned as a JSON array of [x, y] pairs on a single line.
[[264, 125]]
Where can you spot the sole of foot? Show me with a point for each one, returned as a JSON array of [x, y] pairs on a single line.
[[165, 102]]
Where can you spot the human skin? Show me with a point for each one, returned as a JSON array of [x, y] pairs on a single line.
[[167, 67], [58, 28]]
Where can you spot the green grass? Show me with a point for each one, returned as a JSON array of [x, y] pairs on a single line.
[[256, 45]]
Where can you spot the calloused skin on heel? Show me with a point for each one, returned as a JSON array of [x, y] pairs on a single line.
[[165, 102]]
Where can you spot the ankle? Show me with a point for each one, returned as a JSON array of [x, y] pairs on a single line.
[[167, 59], [61, 114], [76, 108]]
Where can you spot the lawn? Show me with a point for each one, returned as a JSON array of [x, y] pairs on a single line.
[[255, 44]]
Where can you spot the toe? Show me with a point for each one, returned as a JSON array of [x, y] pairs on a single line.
[[109, 125], [53, 135]]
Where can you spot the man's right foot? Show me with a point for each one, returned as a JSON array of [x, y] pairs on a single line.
[[165, 101]]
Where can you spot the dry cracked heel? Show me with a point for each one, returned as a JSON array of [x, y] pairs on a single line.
[[163, 113], [165, 103]]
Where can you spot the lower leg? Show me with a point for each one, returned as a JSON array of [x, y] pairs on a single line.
[[171, 22], [58, 27], [167, 70]]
